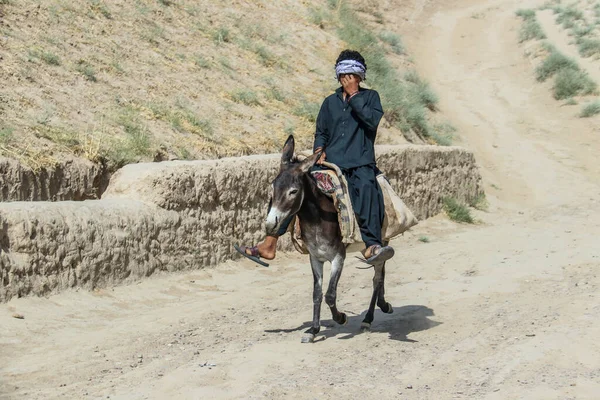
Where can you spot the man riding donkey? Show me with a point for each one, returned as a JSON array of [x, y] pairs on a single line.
[[345, 135]]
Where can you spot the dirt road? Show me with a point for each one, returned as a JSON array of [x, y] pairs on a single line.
[[505, 309]]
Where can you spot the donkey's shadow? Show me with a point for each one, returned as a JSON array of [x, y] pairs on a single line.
[[404, 321]]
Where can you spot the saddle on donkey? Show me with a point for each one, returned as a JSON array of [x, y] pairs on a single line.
[[398, 217]]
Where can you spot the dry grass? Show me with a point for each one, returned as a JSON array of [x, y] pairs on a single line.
[[160, 77]]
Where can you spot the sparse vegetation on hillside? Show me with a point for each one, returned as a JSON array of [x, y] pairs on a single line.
[[553, 63], [531, 29], [575, 18], [406, 100], [569, 79], [571, 82], [122, 82], [393, 40]]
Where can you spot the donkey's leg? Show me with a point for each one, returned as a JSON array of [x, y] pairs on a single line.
[[377, 285], [381, 303], [337, 265], [317, 269]]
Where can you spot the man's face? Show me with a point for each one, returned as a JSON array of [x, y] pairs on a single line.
[[353, 75]]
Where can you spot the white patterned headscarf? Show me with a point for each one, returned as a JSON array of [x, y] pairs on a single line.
[[350, 67]]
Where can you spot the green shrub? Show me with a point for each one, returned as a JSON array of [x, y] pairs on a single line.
[[552, 64], [393, 40], [247, 97], [480, 202], [58, 135], [46, 56], [588, 47], [443, 134], [569, 83], [265, 56], [456, 211], [318, 17], [99, 6], [86, 70], [525, 13], [49, 58], [421, 90], [274, 93], [531, 29], [6, 135], [568, 15], [222, 35], [332, 3], [590, 109], [201, 61], [582, 31]]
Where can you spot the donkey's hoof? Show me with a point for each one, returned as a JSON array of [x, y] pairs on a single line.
[[308, 338], [388, 309], [365, 327], [343, 319]]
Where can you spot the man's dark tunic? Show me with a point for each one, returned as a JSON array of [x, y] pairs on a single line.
[[346, 130]]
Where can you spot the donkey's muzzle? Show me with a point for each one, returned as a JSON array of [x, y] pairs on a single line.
[[272, 226], [273, 223]]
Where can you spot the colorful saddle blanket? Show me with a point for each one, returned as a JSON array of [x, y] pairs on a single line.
[[398, 217]]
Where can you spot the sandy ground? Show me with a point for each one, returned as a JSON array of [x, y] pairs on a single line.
[[505, 309]]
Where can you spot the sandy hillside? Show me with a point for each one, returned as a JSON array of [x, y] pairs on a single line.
[[117, 82], [505, 309]]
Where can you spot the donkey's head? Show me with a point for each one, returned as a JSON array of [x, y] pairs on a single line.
[[288, 186]]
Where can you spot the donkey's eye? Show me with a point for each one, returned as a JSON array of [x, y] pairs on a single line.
[[293, 192]]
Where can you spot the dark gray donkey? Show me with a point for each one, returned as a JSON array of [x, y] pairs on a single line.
[[295, 192]]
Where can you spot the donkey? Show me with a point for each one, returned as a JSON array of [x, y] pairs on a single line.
[[296, 193]]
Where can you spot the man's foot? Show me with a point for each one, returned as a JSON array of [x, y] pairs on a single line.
[[377, 254], [265, 249], [251, 253]]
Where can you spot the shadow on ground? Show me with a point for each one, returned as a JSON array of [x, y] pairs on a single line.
[[404, 321]]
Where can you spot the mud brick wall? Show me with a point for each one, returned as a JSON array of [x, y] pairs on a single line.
[[181, 215], [68, 180]]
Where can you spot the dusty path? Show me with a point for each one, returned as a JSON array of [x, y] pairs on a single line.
[[506, 309]]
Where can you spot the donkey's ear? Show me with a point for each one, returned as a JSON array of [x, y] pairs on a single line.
[[309, 162], [288, 150]]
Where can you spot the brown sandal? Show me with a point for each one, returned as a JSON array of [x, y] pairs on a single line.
[[379, 254], [254, 254]]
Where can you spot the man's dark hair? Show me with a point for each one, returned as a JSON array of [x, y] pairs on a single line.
[[351, 55]]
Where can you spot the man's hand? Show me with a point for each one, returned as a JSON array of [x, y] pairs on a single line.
[[349, 83], [323, 155]]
